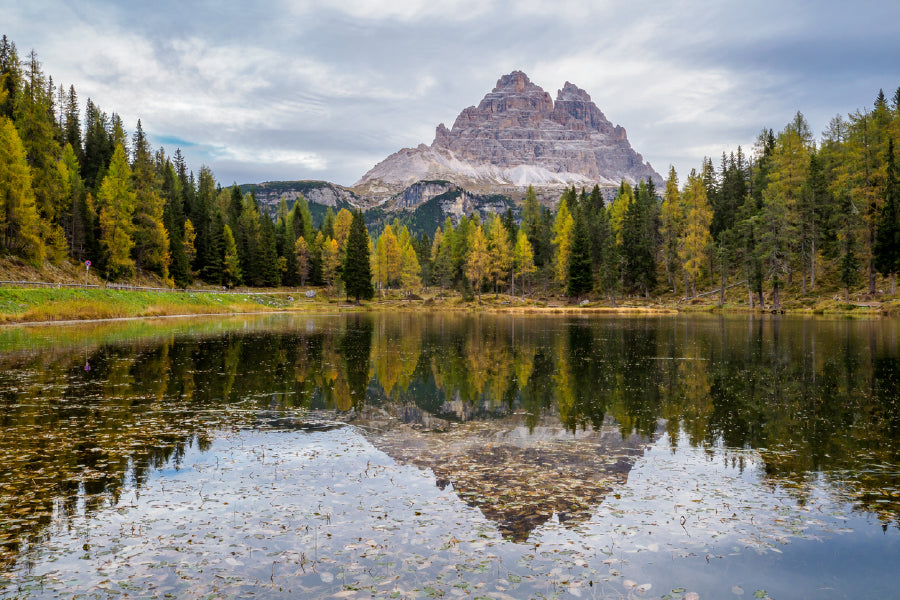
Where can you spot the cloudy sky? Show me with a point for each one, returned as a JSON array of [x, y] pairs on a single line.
[[316, 89]]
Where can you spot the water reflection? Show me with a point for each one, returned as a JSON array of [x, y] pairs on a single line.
[[527, 418]]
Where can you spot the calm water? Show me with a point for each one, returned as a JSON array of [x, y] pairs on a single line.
[[444, 456]]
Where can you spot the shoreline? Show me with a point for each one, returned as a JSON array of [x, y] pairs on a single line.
[[62, 307]]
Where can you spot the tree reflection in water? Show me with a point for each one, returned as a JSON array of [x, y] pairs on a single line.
[[526, 417]]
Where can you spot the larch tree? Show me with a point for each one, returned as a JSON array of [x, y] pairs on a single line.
[[231, 264], [20, 226], [478, 259], [695, 239], [523, 258], [115, 205], [499, 249], [331, 261], [562, 242]]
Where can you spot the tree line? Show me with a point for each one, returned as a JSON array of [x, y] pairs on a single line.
[[796, 213]]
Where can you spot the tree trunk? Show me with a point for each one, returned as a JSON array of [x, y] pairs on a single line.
[[893, 284], [776, 301], [722, 291], [812, 265], [803, 274], [612, 298], [750, 294]]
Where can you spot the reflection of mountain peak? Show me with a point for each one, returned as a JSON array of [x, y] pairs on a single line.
[[518, 478]]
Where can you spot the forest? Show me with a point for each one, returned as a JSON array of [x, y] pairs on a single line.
[[800, 214]]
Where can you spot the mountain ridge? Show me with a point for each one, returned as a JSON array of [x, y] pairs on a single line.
[[517, 136]]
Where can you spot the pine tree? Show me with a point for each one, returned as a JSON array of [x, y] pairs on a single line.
[[580, 276], [151, 240], [637, 247], [671, 227], [887, 239], [357, 272], [442, 255]]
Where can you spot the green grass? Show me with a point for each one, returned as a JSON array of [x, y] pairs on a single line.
[[48, 304]]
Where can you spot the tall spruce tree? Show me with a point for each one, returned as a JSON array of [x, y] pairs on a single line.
[[357, 271], [581, 276], [887, 239]]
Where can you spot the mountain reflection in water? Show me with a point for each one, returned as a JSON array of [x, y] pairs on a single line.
[[525, 417], [518, 476]]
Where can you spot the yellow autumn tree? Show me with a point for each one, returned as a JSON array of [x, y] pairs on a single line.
[[696, 239], [478, 259], [20, 226], [499, 248], [331, 260], [342, 227], [115, 205], [562, 242]]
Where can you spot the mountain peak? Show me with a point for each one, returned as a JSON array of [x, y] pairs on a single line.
[[517, 136], [572, 93], [517, 81]]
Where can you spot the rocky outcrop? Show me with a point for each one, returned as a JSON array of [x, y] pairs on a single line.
[[518, 136], [268, 194]]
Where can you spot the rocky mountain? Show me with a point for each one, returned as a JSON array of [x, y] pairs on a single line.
[[517, 136], [268, 194]]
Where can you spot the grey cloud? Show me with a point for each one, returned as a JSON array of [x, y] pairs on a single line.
[[350, 83]]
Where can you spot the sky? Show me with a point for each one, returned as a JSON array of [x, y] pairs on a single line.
[[318, 89]]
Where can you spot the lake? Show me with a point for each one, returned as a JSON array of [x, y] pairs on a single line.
[[451, 455]]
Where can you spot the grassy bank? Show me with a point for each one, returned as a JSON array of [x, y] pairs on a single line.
[[28, 305], [31, 305]]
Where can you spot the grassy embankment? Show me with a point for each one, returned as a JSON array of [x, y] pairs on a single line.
[[50, 304], [24, 304]]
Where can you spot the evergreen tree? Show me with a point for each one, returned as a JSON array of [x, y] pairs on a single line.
[[98, 146], [580, 276], [267, 262], [887, 240], [671, 229], [215, 250], [637, 248], [357, 271], [151, 240]]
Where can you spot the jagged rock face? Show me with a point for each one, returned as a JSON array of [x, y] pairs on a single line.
[[518, 136], [319, 192]]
